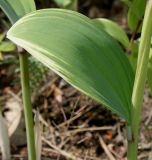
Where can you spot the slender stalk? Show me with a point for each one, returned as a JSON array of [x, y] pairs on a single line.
[[27, 105], [11, 13], [140, 79]]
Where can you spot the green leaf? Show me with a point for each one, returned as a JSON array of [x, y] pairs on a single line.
[[85, 56], [113, 29], [149, 72], [7, 46], [15, 9], [63, 3], [134, 54], [2, 35], [68, 4], [1, 56], [136, 13], [22, 7], [8, 10], [127, 2]]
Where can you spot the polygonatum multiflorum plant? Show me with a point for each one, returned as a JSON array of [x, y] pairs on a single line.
[[87, 54]]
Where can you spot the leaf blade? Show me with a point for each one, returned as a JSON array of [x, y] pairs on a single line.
[[149, 71], [113, 29], [7, 46], [22, 7], [17, 8], [72, 46], [135, 14]]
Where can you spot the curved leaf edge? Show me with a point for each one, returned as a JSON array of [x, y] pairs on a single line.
[[23, 44]]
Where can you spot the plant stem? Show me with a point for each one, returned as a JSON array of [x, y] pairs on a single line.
[[27, 105], [12, 15], [140, 78]]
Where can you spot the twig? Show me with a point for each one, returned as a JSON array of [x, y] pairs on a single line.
[[38, 133], [15, 96], [82, 140], [148, 118], [104, 146], [41, 119], [63, 113], [64, 153], [74, 118], [114, 153], [63, 142], [41, 90], [72, 113], [91, 129], [85, 158], [93, 158]]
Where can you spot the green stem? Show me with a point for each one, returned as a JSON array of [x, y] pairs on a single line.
[[10, 12], [140, 78], [27, 105]]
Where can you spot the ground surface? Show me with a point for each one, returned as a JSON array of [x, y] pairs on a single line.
[[72, 125]]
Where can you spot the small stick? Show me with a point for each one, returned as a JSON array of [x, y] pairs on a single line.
[[85, 158], [114, 153], [104, 146], [91, 129], [94, 158], [72, 113], [38, 133], [41, 119], [64, 153], [74, 118], [15, 96]]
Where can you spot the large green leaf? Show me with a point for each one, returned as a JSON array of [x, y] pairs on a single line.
[[136, 13], [15, 9], [85, 56], [113, 29]]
